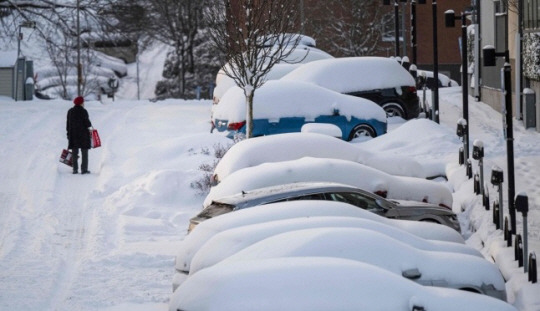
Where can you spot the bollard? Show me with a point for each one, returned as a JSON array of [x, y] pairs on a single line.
[[461, 132], [497, 180], [476, 184], [518, 250], [496, 214], [522, 206], [533, 275], [478, 154], [507, 233], [486, 198]]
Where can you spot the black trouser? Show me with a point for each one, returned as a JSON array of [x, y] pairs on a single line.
[[84, 162]]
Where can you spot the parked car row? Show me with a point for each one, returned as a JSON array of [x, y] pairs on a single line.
[[411, 254], [312, 234], [356, 94]]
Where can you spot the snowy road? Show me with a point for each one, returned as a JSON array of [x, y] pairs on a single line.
[[73, 242]]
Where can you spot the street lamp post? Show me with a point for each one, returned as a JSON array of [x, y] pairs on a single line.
[[490, 54], [413, 31], [450, 18], [79, 67], [396, 23], [25, 24]]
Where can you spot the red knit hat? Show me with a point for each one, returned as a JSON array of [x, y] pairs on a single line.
[[79, 100]]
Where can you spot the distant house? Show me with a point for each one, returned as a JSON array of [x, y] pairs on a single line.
[[16, 76]]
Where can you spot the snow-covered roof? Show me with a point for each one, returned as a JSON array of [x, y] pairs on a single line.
[[294, 209], [331, 170], [351, 74], [8, 58], [300, 55], [229, 242], [291, 146]]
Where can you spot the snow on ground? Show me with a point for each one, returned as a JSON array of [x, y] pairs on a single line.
[[107, 241]]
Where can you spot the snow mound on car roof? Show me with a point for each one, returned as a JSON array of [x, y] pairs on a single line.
[[277, 99], [291, 146], [351, 74]]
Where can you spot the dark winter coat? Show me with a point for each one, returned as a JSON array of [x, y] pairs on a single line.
[[77, 126]]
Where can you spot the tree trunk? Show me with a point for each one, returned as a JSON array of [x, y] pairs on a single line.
[[249, 115]]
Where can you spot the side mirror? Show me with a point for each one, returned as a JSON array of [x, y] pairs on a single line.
[[489, 55], [412, 274]]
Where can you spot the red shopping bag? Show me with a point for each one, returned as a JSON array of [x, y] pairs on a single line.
[[94, 139], [66, 157]]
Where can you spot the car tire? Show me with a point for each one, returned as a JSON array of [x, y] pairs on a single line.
[[393, 110], [362, 130]]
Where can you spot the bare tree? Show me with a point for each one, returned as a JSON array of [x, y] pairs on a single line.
[[253, 35], [351, 27]]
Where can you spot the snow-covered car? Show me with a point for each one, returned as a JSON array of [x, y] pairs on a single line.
[[229, 242], [379, 79], [328, 191], [332, 170], [291, 146], [304, 52], [317, 284], [425, 77], [442, 269], [285, 106], [295, 209]]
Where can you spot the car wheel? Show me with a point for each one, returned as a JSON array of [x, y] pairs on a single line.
[[362, 130], [393, 110]]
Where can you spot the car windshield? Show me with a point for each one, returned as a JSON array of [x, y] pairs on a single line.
[[216, 209]]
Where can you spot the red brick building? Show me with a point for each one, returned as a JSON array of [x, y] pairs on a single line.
[[449, 57]]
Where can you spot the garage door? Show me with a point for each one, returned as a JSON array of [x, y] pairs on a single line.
[[6, 82]]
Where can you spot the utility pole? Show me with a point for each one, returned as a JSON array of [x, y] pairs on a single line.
[[79, 68]]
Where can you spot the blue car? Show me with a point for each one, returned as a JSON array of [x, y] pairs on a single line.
[[285, 106]]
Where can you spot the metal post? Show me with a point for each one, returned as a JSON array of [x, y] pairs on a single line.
[[464, 80], [413, 31], [435, 64], [79, 68], [522, 205], [396, 26], [509, 140], [403, 32]]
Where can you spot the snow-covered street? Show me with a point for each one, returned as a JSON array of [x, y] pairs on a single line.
[[107, 241]]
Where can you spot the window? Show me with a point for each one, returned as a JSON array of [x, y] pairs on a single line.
[[531, 14], [315, 196], [355, 199]]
